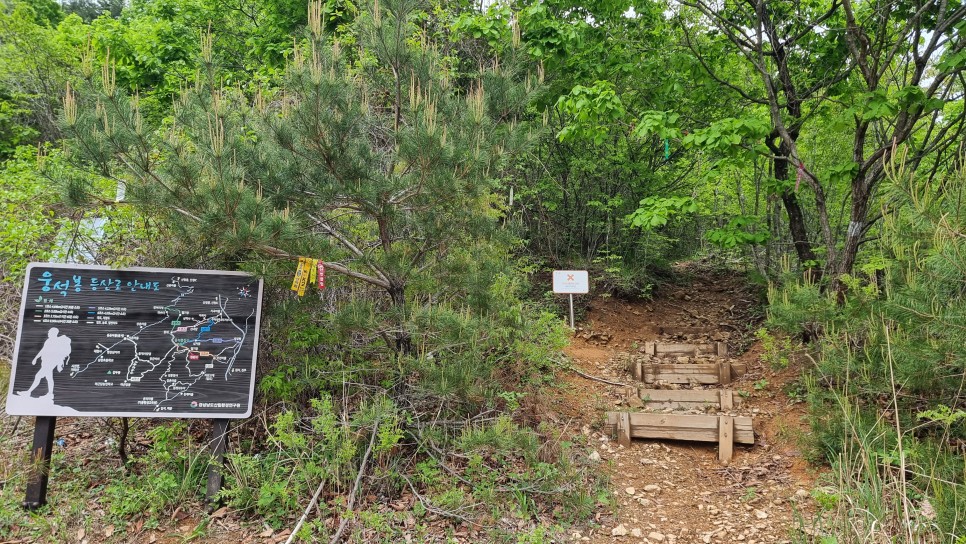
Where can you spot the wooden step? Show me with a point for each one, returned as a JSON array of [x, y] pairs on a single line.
[[688, 399], [664, 349], [682, 331], [726, 430], [704, 374]]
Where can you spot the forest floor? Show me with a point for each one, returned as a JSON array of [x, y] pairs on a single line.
[[678, 492], [661, 491]]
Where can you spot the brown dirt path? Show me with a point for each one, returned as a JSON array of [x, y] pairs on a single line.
[[677, 492]]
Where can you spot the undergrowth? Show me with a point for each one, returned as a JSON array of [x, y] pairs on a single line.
[[887, 392]]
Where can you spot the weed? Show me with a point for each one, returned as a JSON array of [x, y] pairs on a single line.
[[796, 391], [827, 498], [775, 350], [750, 494], [512, 399], [172, 472]]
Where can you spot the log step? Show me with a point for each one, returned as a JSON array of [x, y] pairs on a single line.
[[681, 331], [699, 428], [663, 349], [704, 374], [721, 399], [726, 430]]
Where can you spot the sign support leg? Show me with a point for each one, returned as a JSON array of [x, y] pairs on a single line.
[[572, 312], [219, 433], [40, 462]]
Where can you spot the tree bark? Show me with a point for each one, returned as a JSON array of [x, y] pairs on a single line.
[[861, 196], [404, 340], [796, 216]]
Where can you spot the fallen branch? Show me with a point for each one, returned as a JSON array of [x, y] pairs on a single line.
[[15, 425], [433, 510], [355, 488], [308, 509], [590, 377]]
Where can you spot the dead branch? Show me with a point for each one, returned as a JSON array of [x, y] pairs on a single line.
[[432, 509], [590, 377], [355, 488], [308, 509]]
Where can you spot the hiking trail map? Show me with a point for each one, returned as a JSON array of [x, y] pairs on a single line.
[[138, 342]]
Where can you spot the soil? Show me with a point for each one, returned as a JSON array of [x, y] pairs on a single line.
[[674, 491]]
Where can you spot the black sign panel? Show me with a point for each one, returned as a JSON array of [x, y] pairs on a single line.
[[142, 342]]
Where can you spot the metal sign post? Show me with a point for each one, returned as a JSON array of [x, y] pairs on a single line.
[[571, 282], [139, 342]]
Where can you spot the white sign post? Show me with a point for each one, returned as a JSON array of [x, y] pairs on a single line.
[[571, 282]]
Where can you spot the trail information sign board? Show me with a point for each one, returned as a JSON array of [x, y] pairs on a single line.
[[571, 282], [138, 342], [575, 282]]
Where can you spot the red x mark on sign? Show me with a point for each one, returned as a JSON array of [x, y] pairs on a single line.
[[570, 277]]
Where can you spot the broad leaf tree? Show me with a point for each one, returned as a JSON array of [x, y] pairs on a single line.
[[892, 70]]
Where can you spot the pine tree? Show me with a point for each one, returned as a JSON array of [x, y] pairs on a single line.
[[370, 154]]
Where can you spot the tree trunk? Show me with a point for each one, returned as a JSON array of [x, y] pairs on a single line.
[[861, 192], [796, 225], [796, 218], [404, 341]]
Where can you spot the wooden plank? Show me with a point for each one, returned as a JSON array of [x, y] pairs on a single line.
[[632, 397], [662, 348], [700, 428], [637, 370], [705, 374], [624, 430], [724, 373], [707, 396], [727, 399], [681, 331], [721, 349], [687, 399], [726, 443], [649, 348]]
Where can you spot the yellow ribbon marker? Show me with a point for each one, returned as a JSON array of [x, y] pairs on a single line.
[[304, 275], [297, 280], [312, 273]]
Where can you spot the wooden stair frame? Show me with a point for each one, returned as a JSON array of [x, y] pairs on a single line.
[[725, 430]]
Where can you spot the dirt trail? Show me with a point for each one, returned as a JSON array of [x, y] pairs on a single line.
[[673, 491]]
